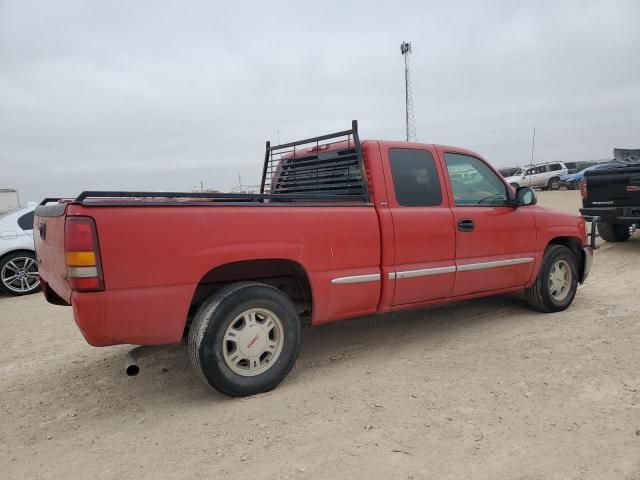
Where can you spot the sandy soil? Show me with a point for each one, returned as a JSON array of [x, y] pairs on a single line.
[[485, 389]]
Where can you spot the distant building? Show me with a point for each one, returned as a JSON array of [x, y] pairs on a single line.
[[246, 189], [9, 200]]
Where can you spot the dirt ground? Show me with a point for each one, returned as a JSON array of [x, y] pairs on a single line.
[[484, 389]]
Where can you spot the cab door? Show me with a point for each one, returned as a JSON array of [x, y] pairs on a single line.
[[425, 241], [495, 242]]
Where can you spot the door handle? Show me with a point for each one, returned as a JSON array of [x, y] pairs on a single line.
[[466, 225]]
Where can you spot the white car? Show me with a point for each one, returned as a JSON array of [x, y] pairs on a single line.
[[545, 176], [18, 266]]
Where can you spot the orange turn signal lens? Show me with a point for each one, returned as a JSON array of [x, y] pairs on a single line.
[[81, 259]]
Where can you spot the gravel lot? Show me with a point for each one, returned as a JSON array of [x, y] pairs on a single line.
[[480, 389]]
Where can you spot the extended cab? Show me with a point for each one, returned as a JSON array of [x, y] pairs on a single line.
[[341, 228], [611, 194]]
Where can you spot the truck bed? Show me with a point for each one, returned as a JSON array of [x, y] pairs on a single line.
[[167, 252]]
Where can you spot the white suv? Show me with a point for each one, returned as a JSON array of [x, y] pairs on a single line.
[[544, 176]]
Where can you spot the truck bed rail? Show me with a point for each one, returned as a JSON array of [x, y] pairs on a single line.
[[228, 197]]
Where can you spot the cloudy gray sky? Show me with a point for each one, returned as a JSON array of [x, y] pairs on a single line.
[[160, 95]]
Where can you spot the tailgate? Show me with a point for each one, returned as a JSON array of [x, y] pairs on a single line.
[[48, 234], [618, 186]]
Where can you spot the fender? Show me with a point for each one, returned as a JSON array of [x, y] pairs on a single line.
[[547, 234]]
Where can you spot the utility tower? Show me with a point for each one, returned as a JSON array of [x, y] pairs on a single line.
[[410, 121]]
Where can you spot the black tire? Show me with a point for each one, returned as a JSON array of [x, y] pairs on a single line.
[[17, 259], [539, 295], [613, 232], [215, 316], [554, 184]]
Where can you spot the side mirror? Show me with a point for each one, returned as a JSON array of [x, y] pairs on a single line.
[[525, 196]]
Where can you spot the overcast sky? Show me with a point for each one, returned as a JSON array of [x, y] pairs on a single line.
[[159, 95]]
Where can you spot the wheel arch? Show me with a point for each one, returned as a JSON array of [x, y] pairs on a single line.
[[287, 275], [17, 250], [574, 244]]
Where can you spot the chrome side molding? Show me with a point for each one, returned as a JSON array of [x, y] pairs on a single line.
[[375, 277], [423, 272], [497, 263]]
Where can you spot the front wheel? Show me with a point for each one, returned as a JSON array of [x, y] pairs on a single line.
[[245, 339], [557, 282], [614, 232]]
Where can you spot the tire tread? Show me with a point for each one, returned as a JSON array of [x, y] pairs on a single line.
[[612, 232]]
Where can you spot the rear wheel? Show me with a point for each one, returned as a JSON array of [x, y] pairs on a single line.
[[614, 232], [557, 281], [19, 273], [554, 184], [245, 339]]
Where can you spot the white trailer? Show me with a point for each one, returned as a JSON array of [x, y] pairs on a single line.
[[9, 200]]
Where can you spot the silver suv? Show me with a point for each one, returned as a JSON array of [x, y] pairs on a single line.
[[544, 175]]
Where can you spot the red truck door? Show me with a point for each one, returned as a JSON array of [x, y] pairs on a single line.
[[495, 243], [423, 225]]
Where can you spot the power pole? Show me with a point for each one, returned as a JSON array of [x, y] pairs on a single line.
[[410, 121], [533, 144]]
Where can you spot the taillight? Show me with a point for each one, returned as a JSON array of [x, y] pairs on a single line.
[[583, 188], [82, 253]]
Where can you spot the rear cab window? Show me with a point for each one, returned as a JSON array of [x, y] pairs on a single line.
[[415, 178]]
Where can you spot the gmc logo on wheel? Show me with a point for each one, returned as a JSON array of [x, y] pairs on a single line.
[[252, 342]]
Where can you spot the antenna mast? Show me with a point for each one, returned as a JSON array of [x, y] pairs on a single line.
[[410, 121]]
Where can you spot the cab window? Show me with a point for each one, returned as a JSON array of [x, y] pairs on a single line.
[[415, 177], [473, 182]]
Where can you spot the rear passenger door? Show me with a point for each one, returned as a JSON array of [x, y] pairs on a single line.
[[541, 178], [495, 243], [423, 226]]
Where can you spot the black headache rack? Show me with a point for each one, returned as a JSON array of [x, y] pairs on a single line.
[[328, 165], [329, 168]]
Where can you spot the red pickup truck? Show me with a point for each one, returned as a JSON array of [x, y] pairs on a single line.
[[341, 228]]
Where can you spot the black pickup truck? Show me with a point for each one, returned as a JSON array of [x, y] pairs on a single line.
[[613, 195]]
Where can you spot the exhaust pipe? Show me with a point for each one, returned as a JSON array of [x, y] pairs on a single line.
[[131, 366]]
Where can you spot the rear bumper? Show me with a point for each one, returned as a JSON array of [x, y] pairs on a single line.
[[620, 215], [587, 262], [144, 316]]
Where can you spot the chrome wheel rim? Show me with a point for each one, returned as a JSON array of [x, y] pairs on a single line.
[[560, 278], [20, 275], [253, 342]]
